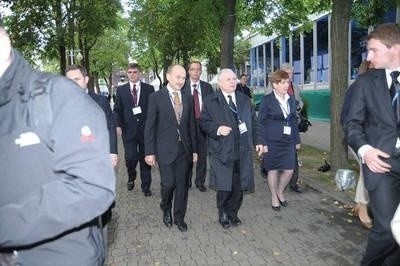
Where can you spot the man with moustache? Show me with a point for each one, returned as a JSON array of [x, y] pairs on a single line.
[[170, 140]]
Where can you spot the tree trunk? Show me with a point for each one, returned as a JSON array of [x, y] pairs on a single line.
[[228, 34], [341, 10]]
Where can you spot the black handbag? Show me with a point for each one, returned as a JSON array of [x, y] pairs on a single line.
[[304, 124]]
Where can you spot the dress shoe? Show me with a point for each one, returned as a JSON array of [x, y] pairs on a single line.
[[167, 219], [235, 221], [130, 185], [283, 203], [182, 226], [147, 193], [202, 188], [296, 189], [224, 220], [276, 208]]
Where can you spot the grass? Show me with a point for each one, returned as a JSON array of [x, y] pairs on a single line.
[[313, 158]]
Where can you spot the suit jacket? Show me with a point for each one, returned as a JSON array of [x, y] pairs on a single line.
[[206, 89], [221, 149], [132, 125], [272, 121], [161, 130], [103, 102], [243, 89], [370, 118]]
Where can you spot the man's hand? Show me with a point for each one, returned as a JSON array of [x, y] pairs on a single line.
[[224, 131], [259, 150], [265, 148], [114, 159], [297, 146], [150, 160], [374, 163], [195, 157], [119, 131]]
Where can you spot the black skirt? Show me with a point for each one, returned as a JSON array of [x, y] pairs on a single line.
[[280, 156]]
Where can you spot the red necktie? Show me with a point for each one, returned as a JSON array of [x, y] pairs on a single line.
[[290, 89], [134, 95], [196, 101]]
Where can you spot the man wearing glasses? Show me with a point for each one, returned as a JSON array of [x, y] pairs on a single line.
[[130, 112]]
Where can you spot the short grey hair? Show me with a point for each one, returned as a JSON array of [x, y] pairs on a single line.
[[287, 67], [223, 71]]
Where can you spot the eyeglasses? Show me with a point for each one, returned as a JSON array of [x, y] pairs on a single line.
[[133, 72]]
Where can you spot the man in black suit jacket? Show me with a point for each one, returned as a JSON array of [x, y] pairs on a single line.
[[199, 90], [372, 129], [130, 111], [170, 139], [242, 86], [79, 74], [231, 126]]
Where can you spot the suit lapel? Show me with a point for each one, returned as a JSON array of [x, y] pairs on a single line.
[[170, 109], [382, 93]]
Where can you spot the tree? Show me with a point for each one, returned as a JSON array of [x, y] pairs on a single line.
[[341, 12]]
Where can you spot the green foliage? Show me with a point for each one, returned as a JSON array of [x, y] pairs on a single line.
[[371, 12]]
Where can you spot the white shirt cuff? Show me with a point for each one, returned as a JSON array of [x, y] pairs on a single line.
[[362, 150]]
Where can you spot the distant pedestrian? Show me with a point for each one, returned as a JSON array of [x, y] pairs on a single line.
[[199, 90], [170, 140], [278, 129], [231, 126], [242, 86], [130, 112]]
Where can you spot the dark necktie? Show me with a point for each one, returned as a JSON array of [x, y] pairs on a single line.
[[394, 94], [232, 106], [134, 95], [196, 101]]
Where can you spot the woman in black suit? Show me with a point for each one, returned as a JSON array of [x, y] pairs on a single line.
[[280, 135]]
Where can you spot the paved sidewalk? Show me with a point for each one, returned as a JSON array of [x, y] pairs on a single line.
[[313, 230]]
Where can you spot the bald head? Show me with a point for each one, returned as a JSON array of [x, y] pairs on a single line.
[[227, 80], [176, 76]]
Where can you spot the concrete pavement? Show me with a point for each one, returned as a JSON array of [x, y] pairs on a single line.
[[313, 230]]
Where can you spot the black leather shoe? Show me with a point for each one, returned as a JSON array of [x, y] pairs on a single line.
[[283, 203], [202, 188], [235, 221], [182, 226], [130, 185], [296, 189], [276, 208], [167, 219], [224, 220], [147, 193]]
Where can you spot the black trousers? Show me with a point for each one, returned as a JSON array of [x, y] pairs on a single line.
[[229, 202], [201, 165], [295, 176], [174, 185], [384, 199], [134, 153]]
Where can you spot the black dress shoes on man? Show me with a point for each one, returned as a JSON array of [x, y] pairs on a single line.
[[167, 219], [224, 220], [276, 208], [202, 188], [182, 226], [147, 193], [130, 185], [296, 189], [283, 203], [235, 221]]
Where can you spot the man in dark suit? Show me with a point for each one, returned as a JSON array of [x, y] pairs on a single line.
[[372, 129], [242, 86], [130, 111], [230, 124], [79, 74], [170, 139], [199, 90]]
